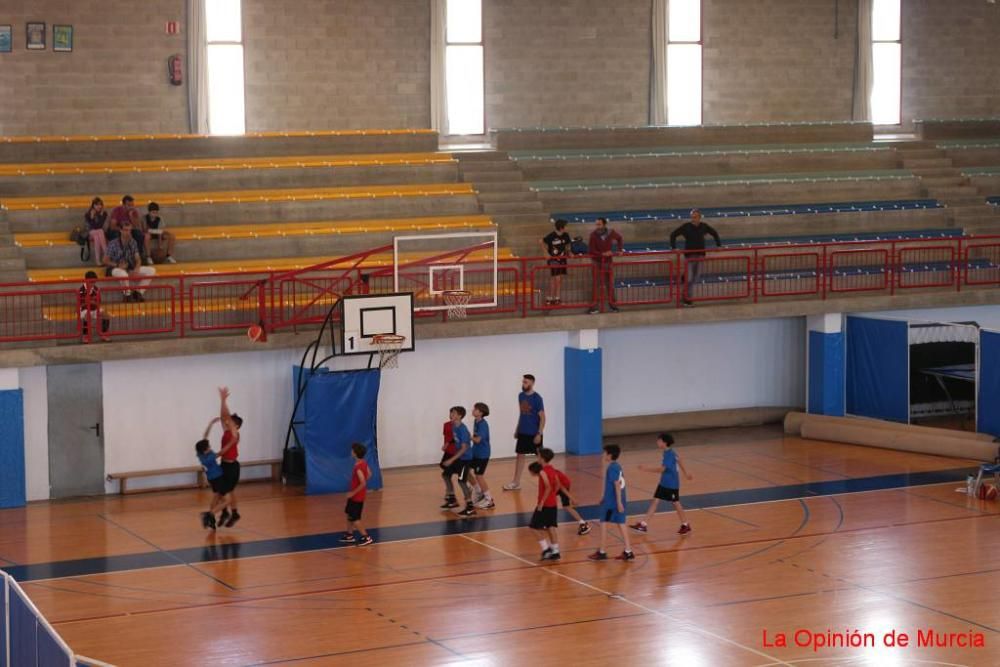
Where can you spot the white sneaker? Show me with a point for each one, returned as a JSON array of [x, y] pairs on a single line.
[[485, 504], [171, 260], [511, 486]]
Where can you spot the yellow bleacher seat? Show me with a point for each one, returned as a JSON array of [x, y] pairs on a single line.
[[222, 164], [30, 139], [283, 229], [245, 196], [276, 264]]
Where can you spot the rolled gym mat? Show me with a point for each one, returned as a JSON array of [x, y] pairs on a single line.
[[898, 439], [795, 420]]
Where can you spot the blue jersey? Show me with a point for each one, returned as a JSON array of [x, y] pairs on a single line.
[[211, 465], [670, 479], [529, 421], [481, 449], [462, 437], [613, 474]]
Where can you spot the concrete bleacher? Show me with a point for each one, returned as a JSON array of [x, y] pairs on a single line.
[[703, 160], [957, 128], [513, 139], [165, 146]]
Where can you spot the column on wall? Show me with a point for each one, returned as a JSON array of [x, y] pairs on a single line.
[[825, 368], [583, 393], [12, 492]]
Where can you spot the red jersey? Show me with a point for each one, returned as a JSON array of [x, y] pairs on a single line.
[[449, 439], [234, 452], [550, 500], [560, 475], [363, 467]]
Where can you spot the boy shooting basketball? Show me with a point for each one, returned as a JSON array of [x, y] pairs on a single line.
[[356, 498], [230, 454], [669, 487], [544, 520], [613, 504]]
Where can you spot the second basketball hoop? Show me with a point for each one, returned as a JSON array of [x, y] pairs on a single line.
[[458, 303]]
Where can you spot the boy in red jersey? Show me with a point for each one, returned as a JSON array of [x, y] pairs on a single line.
[[568, 501], [356, 498], [544, 520], [449, 450], [230, 455]]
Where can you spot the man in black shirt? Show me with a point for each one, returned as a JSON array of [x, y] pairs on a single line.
[[694, 233], [557, 248]]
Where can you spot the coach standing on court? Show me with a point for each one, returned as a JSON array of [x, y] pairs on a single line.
[[530, 426], [694, 232], [602, 251]]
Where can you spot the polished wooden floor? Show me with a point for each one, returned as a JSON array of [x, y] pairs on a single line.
[[914, 557]]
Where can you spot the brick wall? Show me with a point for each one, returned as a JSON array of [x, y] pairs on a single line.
[[950, 53], [331, 64], [114, 81], [573, 62], [771, 60]]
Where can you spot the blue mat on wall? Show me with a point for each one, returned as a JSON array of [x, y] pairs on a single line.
[[341, 408], [12, 490], [878, 369], [988, 401]]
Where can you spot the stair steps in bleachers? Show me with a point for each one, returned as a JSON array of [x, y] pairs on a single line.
[[927, 163]]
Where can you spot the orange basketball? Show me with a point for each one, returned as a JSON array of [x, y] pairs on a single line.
[[988, 492], [255, 333]]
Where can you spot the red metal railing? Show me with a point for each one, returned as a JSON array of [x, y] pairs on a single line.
[[213, 303]]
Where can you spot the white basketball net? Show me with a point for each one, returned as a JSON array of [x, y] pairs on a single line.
[[457, 302], [389, 346]]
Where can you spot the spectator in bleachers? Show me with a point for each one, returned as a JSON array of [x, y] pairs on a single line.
[[97, 221], [124, 261], [127, 212], [694, 232], [155, 231], [602, 252], [557, 248]]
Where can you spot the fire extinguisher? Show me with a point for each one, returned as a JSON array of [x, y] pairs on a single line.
[[175, 69]]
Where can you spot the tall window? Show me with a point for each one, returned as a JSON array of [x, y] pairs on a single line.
[[464, 67], [887, 59], [684, 63], [224, 34]]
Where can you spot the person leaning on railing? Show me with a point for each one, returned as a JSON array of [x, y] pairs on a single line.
[[694, 232], [123, 261], [602, 251]]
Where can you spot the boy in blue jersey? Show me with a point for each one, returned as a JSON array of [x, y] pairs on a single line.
[[460, 463], [213, 473], [670, 484], [481, 455], [613, 504], [530, 426]]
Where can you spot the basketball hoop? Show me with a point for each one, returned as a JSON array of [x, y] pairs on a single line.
[[389, 347], [457, 302]]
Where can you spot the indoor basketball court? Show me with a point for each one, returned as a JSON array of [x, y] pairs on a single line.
[[499, 332]]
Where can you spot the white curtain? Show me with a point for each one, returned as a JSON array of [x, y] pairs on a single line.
[[864, 72], [658, 67], [439, 81], [196, 68]]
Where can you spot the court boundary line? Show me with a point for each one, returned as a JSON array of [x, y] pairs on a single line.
[[621, 598], [952, 475]]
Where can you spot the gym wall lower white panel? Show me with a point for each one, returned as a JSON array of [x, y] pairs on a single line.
[[34, 384], [156, 409], [687, 368]]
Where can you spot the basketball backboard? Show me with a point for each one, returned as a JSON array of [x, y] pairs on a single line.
[[431, 264], [365, 316]]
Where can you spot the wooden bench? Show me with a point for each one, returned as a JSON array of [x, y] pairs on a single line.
[[200, 482]]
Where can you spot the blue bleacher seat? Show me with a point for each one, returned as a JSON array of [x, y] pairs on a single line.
[[767, 242]]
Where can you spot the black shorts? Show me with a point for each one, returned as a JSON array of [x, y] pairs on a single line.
[[670, 495], [353, 510], [566, 502], [558, 267], [479, 466], [231, 475], [544, 518], [526, 445], [219, 485]]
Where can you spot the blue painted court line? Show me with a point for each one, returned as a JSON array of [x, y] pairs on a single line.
[[302, 543]]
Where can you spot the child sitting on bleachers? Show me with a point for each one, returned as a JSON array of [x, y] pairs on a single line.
[[157, 234]]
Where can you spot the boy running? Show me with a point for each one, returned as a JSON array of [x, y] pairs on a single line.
[[356, 498], [670, 482], [568, 501], [544, 519], [481, 455], [613, 503], [213, 473]]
